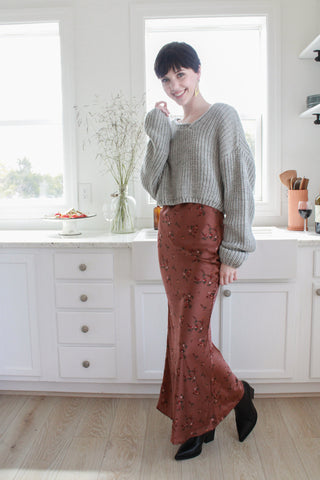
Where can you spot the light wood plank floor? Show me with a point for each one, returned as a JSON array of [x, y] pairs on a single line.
[[78, 438]]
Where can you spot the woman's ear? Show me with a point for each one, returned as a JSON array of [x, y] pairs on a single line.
[[199, 72]]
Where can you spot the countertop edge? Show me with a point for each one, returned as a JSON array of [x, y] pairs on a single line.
[[100, 239], [52, 239]]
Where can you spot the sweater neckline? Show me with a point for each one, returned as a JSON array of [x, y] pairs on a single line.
[[195, 121]]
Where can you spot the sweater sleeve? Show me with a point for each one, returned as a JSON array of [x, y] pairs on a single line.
[[158, 129], [238, 176]]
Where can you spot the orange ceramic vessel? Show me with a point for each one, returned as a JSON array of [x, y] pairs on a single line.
[[295, 221]]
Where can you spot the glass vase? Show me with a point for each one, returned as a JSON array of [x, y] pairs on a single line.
[[106, 212], [123, 208]]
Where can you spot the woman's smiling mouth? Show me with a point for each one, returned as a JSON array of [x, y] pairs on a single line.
[[179, 94]]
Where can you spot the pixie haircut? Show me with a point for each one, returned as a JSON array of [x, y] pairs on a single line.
[[175, 55]]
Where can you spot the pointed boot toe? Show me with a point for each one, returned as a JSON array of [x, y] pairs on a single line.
[[193, 446]]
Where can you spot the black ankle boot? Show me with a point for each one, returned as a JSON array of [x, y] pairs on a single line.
[[193, 446], [246, 414]]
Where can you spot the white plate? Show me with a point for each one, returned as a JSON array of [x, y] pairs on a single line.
[[68, 218], [69, 225]]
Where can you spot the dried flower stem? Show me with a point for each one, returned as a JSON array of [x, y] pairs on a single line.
[[116, 127]]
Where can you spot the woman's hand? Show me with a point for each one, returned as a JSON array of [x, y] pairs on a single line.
[[163, 107], [227, 274]]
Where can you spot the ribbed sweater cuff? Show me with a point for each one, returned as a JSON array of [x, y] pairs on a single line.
[[157, 124], [233, 258]]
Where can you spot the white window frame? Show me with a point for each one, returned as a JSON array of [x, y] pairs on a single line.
[[63, 16], [270, 204]]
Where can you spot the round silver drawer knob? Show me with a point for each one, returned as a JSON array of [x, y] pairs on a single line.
[[86, 364], [83, 267], [83, 298], [227, 293], [318, 291], [84, 328]]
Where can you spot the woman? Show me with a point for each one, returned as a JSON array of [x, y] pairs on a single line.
[[201, 170]]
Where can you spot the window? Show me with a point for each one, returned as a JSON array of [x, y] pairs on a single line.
[[232, 51], [34, 174], [238, 45]]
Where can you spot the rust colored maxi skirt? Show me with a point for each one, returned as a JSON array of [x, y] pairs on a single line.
[[198, 388]]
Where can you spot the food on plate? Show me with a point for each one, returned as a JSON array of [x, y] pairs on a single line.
[[73, 213]]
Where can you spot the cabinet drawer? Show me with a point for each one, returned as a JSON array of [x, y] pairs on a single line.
[[84, 265], [87, 362], [84, 295], [86, 327]]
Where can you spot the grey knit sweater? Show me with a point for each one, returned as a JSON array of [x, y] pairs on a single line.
[[207, 162]]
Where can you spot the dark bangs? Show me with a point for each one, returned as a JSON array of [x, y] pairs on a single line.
[[176, 55]]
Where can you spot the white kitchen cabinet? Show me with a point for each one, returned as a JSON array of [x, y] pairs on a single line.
[[84, 293], [151, 314], [19, 339], [315, 319], [254, 326], [315, 333], [113, 339], [258, 329]]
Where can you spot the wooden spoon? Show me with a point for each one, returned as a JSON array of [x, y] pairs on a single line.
[[304, 184], [286, 175], [292, 182], [296, 185]]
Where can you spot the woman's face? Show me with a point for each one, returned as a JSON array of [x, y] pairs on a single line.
[[181, 84]]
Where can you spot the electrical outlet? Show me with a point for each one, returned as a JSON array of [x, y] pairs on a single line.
[[85, 195]]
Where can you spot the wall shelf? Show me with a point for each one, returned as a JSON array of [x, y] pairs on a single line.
[[311, 111], [312, 51], [308, 52]]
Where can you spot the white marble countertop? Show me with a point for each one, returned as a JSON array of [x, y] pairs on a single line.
[[101, 239], [52, 238], [260, 233], [304, 239]]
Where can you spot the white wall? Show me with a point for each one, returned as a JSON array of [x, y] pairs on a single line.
[[102, 65], [300, 78]]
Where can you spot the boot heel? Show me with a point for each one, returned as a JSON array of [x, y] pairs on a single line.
[[251, 392], [209, 436]]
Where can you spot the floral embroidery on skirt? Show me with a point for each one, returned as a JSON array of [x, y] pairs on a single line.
[[198, 387]]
